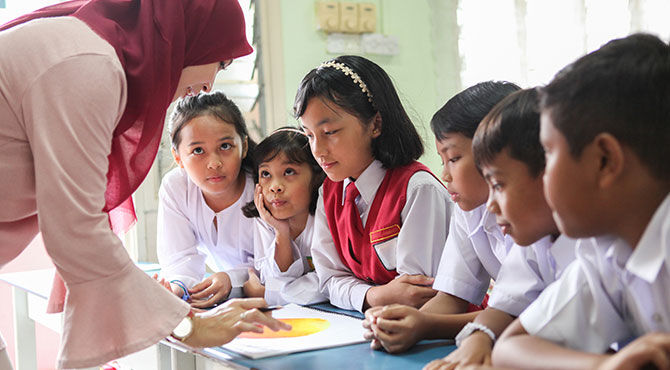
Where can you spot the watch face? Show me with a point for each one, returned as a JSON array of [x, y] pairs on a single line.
[[184, 328]]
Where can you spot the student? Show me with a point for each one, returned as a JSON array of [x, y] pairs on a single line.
[[475, 247], [605, 128], [381, 218], [507, 150], [200, 202], [288, 179]]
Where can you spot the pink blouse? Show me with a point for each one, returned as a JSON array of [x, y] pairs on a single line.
[[59, 105]]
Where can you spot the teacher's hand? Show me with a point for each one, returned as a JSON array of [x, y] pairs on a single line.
[[222, 324]]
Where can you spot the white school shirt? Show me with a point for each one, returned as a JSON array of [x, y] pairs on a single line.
[[299, 283], [527, 271], [187, 238], [473, 253], [610, 294], [416, 249]]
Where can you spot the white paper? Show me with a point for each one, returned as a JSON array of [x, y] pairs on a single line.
[[343, 330]]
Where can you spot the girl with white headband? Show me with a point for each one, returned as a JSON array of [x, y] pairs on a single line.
[[382, 217]]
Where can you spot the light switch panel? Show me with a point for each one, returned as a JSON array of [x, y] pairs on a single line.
[[367, 17], [328, 15], [348, 17]]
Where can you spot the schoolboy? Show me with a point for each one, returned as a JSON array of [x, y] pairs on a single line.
[[606, 132], [475, 246], [507, 151]]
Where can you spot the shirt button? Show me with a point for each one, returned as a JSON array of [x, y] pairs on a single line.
[[656, 317]]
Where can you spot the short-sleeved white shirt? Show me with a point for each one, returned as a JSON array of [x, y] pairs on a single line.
[[416, 250], [527, 271], [187, 237], [473, 253], [299, 283], [610, 294]]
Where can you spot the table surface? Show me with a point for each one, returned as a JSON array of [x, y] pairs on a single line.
[[356, 356]]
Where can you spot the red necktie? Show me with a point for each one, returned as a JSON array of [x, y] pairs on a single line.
[[354, 225], [350, 208]]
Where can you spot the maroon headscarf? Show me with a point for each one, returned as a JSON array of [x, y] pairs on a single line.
[[154, 40]]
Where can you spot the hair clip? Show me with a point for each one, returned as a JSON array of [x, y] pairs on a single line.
[[289, 129], [349, 72]]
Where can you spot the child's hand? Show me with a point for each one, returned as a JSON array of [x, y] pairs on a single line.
[[211, 291], [474, 350], [649, 350], [371, 318], [397, 327], [174, 288], [411, 290], [253, 286], [280, 226]]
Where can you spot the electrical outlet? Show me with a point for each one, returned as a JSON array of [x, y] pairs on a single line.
[[328, 15], [367, 17], [348, 17], [375, 43]]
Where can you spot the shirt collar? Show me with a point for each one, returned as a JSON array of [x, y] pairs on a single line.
[[563, 251], [368, 182], [654, 247], [481, 218]]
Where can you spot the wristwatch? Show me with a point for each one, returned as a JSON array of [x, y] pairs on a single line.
[[185, 328], [470, 328]]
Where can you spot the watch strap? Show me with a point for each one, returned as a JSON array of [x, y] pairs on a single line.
[[470, 328], [189, 317]]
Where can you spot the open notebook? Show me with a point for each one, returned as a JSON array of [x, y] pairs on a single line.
[[312, 329]]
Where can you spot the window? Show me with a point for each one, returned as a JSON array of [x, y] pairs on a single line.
[[527, 42]]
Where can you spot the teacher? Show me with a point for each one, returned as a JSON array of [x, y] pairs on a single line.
[[84, 88]]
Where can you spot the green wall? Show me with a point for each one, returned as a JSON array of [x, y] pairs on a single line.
[[413, 71]]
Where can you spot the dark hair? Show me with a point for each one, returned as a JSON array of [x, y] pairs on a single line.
[[463, 112], [215, 104], [514, 123], [295, 146], [399, 142], [623, 89]]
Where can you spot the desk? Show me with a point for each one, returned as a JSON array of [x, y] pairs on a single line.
[[31, 291]]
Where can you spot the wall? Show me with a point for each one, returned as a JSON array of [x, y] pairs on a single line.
[[417, 70]]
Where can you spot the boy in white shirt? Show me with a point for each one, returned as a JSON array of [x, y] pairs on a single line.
[[507, 150], [475, 246], [605, 129]]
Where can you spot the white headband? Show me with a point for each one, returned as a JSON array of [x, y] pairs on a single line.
[[349, 72]]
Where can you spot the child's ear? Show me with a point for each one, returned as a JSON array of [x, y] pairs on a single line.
[[176, 157], [245, 147], [376, 125], [611, 156]]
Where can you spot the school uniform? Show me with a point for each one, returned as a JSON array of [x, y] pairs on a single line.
[[611, 293], [299, 283], [527, 271], [187, 238], [407, 240], [473, 253]]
